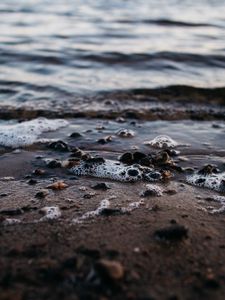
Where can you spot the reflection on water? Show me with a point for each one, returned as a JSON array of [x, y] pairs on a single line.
[[83, 46]]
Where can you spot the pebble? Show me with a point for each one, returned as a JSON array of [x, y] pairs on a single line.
[[59, 146], [76, 135], [101, 186], [173, 232], [59, 185], [41, 194], [110, 268]]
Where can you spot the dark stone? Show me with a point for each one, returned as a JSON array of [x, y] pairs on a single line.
[[41, 194], [174, 232], [105, 140], [100, 186], [138, 155], [3, 195], [95, 160], [39, 172], [32, 181], [111, 212], [76, 135], [59, 146], [54, 164], [126, 158]]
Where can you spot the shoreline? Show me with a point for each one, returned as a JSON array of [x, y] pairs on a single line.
[[114, 251]]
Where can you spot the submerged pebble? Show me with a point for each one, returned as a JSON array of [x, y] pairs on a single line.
[[127, 133]]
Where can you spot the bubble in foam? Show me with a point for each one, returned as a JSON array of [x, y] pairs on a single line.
[[212, 181], [27, 133], [115, 171], [162, 141]]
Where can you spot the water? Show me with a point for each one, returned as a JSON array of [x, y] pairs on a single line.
[[60, 49]]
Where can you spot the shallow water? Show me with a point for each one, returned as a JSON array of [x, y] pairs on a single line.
[[58, 50]]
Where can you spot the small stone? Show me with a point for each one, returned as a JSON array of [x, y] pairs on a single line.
[[110, 269], [41, 194], [126, 158], [54, 164], [59, 185], [39, 172], [76, 135], [174, 232], [3, 195], [32, 181], [59, 146], [101, 186], [126, 133], [110, 212], [105, 140], [170, 192]]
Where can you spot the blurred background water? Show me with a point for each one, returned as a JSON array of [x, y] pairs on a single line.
[[54, 49]]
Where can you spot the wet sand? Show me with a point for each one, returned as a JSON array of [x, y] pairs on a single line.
[[167, 246]]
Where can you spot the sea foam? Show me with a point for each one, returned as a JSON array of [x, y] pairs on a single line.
[[115, 171], [26, 133], [162, 141]]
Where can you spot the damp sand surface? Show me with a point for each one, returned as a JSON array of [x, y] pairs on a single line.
[[61, 233]]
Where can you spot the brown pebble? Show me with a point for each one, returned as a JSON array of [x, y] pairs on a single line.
[[110, 268], [59, 185], [39, 172]]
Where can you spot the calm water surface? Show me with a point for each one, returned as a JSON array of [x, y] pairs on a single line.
[[54, 49]]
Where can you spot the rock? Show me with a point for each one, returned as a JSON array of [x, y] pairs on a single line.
[[32, 181], [173, 232], [54, 164], [41, 194], [39, 172], [59, 185], [101, 186], [110, 212], [76, 135], [105, 140], [126, 158], [110, 269], [59, 146], [125, 133]]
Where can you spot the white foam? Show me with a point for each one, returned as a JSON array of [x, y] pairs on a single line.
[[27, 133], [9, 221], [153, 190], [132, 206], [114, 170], [221, 200], [125, 133], [51, 213], [211, 181], [105, 203], [162, 141]]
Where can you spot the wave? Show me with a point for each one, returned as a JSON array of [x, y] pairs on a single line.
[[157, 60], [168, 22]]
